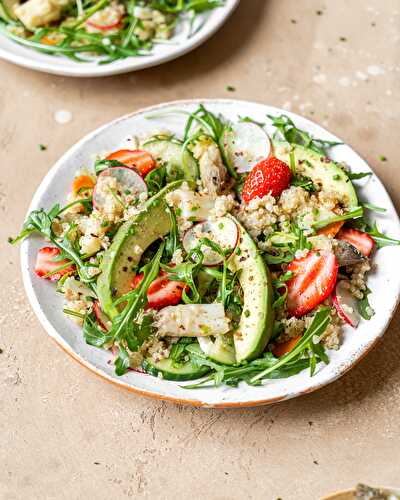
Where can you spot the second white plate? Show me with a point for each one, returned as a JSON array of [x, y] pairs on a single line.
[[179, 45]]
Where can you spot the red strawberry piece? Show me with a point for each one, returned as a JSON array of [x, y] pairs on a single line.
[[141, 160], [270, 176], [45, 264], [362, 241], [162, 292], [314, 277]]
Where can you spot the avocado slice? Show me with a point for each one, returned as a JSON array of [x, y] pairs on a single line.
[[124, 254], [256, 322], [324, 172]]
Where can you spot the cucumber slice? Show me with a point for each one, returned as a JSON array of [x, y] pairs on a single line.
[[219, 350], [178, 164], [187, 371]]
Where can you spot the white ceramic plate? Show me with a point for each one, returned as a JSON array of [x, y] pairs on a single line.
[[48, 305], [208, 23]]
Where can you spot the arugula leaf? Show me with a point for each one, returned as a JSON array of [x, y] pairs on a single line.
[[364, 307], [122, 362], [172, 242], [103, 164], [287, 130], [319, 324], [210, 125], [306, 354], [93, 335], [303, 182], [353, 214], [156, 179], [374, 208], [380, 239], [354, 176], [38, 221], [278, 285], [247, 119], [136, 299], [186, 272], [176, 6]]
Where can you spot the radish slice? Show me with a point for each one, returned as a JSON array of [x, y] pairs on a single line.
[[223, 231], [247, 144], [102, 319], [128, 182], [345, 304], [106, 19]]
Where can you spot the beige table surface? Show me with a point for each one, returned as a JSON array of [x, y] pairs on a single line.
[[64, 433]]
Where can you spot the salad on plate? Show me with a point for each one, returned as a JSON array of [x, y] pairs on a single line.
[[102, 30], [218, 256]]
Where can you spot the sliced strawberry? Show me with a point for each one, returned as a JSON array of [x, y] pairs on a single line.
[[45, 264], [314, 277], [362, 241], [162, 292], [139, 159], [270, 176]]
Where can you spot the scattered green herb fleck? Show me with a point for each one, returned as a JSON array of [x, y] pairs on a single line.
[[42, 147], [230, 88]]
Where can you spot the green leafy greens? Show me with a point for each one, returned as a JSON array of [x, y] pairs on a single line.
[[287, 130]]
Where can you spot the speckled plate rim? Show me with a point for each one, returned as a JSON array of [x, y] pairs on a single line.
[[313, 383], [21, 56]]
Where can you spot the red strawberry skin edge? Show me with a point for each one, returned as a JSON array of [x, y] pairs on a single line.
[[319, 283], [270, 176]]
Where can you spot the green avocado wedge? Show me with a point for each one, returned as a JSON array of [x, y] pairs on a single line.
[[118, 266], [324, 173], [255, 326]]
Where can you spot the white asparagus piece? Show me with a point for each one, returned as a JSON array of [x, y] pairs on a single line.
[[192, 320]]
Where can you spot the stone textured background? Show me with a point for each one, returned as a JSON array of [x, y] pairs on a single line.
[[66, 434]]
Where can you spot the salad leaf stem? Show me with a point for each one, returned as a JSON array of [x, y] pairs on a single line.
[[354, 213], [318, 326]]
